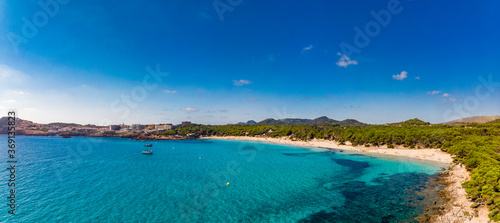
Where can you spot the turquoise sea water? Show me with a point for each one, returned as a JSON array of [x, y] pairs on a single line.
[[109, 180]]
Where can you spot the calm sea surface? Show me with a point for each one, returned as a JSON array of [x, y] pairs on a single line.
[[108, 180]]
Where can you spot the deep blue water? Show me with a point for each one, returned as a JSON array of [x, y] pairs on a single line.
[[109, 180]]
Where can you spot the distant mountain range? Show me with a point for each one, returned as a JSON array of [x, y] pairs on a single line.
[[300, 121], [251, 122], [324, 119], [289, 121], [475, 119]]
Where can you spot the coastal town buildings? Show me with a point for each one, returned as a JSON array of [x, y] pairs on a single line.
[[137, 127], [114, 127], [24, 127], [163, 127]]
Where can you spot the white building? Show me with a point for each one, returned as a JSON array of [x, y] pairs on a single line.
[[163, 127]]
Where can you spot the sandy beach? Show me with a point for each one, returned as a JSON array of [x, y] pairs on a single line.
[[425, 154], [458, 207]]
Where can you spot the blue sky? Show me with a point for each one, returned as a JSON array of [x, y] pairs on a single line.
[[85, 61]]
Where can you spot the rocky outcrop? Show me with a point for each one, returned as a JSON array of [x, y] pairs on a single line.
[[458, 209]]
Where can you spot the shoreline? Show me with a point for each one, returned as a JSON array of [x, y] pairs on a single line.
[[435, 155], [457, 207]]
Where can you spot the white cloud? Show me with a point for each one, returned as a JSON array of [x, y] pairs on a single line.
[[452, 99], [10, 101], [345, 61], [170, 92], [400, 76], [241, 82], [7, 73], [18, 92], [417, 78], [252, 99], [15, 92], [190, 109], [433, 92], [307, 48], [446, 95]]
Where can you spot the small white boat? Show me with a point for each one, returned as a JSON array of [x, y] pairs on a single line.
[[147, 152]]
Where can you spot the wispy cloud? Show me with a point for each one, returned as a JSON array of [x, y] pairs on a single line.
[[10, 101], [345, 61], [190, 109], [19, 92], [241, 82], [252, 99], [433, 92], [170, 92], [400, 76], [307, 48], [448, 98], [8, 73], [417, 78]]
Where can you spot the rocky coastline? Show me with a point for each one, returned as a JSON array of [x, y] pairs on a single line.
[[457, 207]]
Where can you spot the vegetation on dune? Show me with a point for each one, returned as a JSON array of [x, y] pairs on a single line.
[[477, 146]]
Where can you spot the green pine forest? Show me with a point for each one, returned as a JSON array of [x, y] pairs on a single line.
[[477, 146]]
